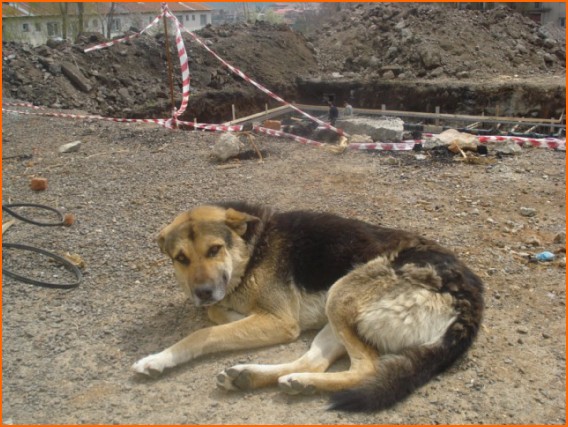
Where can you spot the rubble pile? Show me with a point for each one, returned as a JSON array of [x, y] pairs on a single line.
[[407, 42], [131, 79], [412, 40]]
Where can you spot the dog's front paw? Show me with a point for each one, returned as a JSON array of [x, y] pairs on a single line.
[[155, 363]]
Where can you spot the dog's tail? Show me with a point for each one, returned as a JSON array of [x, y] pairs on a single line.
[[398, 375]]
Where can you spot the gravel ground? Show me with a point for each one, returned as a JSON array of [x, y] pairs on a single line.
[[66, 354]]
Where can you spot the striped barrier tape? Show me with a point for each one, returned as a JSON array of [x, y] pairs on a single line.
[[239, 73], [123, 39], [551, 143], [184, 63], [162, 122], [279, 133], [182, 53], [383, 146], [23, 104]]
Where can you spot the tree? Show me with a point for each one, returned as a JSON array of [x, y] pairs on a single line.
[[80, 17], [64, 9], [110, 17]]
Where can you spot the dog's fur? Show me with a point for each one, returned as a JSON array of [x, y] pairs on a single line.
[[402, 307]]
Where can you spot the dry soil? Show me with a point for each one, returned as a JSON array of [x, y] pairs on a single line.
[[66, 354]]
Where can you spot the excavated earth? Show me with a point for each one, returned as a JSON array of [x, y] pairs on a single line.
[[412, 57], [66, 354]]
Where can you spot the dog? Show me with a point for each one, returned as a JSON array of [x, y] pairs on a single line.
[[401, 307]]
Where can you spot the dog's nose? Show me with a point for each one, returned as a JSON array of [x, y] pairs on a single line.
[[204, 293]]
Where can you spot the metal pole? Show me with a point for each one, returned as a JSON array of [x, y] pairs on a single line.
[[170, 68]]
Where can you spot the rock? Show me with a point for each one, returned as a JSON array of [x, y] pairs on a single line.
[[560, 238], [452, 136], [70, 147], [226, 147], [510, 148], [533, 241], [76, 77], [431, 58], [528, 212], [383, 129]]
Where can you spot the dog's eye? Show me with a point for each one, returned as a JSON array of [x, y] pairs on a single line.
[[182, 259], [213, 251]]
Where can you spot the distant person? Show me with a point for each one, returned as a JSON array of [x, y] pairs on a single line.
[[348, 109], [333, 113]]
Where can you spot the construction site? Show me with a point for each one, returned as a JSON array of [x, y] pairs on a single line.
[[457, 132]]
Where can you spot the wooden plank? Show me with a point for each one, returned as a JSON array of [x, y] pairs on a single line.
[[444, 116], [263, 115]]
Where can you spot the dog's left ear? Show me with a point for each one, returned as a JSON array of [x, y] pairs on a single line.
[[238, 221]]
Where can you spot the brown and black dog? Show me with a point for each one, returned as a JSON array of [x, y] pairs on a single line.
[[400, 306]]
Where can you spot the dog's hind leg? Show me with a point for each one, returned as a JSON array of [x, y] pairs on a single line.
[[362, 366], [324, 350], [346, 298]]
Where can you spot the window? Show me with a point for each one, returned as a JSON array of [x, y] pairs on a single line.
[[37, 26], [193, 17], [115, 25], [53, 29], [26, 28], [203, 19], [95, 23], [186, 18], [180, 18]]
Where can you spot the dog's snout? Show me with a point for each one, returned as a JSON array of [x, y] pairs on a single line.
[[204, 293]]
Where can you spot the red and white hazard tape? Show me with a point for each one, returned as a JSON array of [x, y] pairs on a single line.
[[123, 39], [239, 73], [383, 146], [212, 127], [184, 63], [552, 143], [183, 60], [22, 104], [279, 133]]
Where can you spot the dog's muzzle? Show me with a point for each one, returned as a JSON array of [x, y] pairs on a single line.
[[208, 294]]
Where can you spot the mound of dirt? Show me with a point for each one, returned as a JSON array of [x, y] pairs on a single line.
[[408, 40], [131, 79]]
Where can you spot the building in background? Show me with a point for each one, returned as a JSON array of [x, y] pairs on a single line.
[[35, 23]]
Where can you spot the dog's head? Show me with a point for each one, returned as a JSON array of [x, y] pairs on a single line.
[[207, 250]]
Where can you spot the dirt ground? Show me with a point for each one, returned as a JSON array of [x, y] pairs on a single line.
[[66, 354]]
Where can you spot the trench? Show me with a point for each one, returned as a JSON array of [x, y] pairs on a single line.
[[505, 99]]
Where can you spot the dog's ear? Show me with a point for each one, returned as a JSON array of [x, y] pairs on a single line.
[[161, 239], [239, 221]]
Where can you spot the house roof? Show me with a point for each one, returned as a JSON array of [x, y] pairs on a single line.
[[23, 9]]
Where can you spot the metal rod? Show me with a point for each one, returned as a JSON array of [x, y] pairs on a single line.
[[170, 67]]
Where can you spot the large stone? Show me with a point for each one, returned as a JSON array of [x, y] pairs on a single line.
[[226, 147], [76, 77], [381, 129], [452, 136]]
